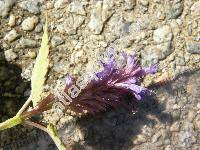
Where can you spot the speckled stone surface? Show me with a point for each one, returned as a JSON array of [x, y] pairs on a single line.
[[164, 32]]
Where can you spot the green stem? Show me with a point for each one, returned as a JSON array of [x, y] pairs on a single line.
[[11, 122], [52, 132], [24, 106]]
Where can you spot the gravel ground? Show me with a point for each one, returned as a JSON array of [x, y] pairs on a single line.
[[166, 32]]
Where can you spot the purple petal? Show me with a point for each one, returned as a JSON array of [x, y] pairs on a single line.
[[107, 70], [130, 61], [131, 64], [152, 69], [137, 90], [69, 80], [143, 72], [129, 81], [133, 87]]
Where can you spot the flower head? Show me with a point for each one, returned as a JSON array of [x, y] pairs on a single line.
[[111, 86]]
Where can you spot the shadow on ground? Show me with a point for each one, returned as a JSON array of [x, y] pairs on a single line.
[[12, 88], [118, 129], [12, 97], [115, 130]]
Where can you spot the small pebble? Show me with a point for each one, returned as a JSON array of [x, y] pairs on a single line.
[[32, 54], [12, 21], [29, 23], [60, 4], [193, 47], [49, 5], [27, 43], [130, 4], [174, 9], [76, 7], [162, 34], [175, 127], [10, 55], [39, 28], [144, 2], [11, 36], [56, 40], [195, 9], [96, 24]]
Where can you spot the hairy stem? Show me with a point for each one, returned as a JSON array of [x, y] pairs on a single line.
[[53, 134], [11, 122], [36, 125], [50, 130], [24, 106]]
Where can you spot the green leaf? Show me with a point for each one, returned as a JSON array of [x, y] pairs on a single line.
[[40, 68]]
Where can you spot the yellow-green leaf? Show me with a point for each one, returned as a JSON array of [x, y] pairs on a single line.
[[40, 68]]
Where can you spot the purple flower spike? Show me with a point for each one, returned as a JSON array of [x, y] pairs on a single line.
[[111, 86]]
